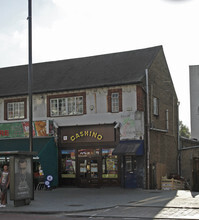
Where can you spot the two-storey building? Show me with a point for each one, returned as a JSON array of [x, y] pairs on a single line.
[[102, 120]]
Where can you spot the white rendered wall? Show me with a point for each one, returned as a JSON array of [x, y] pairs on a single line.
[[131, 121]]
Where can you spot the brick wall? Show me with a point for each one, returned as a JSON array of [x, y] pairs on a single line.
[[163, 143], [140, 98]]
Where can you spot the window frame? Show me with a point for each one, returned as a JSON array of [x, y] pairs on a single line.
[[66, 96], [113, 91], [13, 101]]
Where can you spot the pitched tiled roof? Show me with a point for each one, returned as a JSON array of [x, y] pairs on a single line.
[[80, 73]]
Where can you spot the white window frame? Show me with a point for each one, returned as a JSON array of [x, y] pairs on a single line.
[[115, 102], [70, 106], [15, 110]]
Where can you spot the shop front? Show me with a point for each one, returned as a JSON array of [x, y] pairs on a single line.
[[131, 153], [85, 155]]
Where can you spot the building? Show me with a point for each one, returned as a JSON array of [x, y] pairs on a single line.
[[189, 148], [194, 104], [113, 117], [189, 162]]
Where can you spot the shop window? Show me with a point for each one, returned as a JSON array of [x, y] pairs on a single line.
[[88, 152], [65, 105], [68, 168], [15, 109], [109, 164], [115, 100]]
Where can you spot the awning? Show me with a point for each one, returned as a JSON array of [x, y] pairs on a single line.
[[22, 144], [46, 149], [134, 147]]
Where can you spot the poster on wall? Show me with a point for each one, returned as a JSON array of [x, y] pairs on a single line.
[[21, 129]]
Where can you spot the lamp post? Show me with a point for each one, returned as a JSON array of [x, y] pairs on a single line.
[[30, 72]]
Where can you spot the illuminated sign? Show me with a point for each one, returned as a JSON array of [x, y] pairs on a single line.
[[91, 134]]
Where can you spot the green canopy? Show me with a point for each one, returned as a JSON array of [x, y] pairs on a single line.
[[46, 149]]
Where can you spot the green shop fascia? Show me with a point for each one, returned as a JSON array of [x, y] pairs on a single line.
[[14, 137]]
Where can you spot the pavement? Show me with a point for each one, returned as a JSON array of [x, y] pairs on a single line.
[[112, 201]]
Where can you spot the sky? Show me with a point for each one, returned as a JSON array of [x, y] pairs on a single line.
[[64, 29]]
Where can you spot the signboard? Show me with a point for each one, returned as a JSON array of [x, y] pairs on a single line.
[[21, 178], [98, 133], [21, 129]]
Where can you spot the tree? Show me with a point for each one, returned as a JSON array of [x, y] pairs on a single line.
[[184, 130]]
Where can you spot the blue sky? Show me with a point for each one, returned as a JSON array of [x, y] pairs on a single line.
[[64, 29]]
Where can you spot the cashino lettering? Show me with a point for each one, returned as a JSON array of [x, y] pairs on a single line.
[[91, 134]]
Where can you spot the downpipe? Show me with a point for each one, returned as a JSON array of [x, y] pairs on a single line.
[[148, 129]]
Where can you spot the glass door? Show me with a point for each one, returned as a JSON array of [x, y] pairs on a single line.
[[88, 171]]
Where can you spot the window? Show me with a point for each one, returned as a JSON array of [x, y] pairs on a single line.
[[115, 100], [155, 106], [130, 164], [109, 164], [15, 109], [68, 167], [66, 105]]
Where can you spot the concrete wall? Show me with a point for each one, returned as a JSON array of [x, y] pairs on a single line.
[[194, 100]]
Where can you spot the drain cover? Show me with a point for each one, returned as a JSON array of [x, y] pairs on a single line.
[[75, 205]]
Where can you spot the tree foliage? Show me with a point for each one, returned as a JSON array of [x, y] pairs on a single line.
[[184, 130]]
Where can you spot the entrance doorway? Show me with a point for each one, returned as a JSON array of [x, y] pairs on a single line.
[[89, 172], [130, 173], [88, 167]]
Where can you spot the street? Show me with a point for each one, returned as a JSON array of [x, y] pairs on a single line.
[[130, 212], [118, 212], [106, 203]]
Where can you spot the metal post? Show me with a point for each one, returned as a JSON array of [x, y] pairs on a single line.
[[30, 72]]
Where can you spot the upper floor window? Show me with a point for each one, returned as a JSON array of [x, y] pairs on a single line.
[[155, 106], [15, 109], [115, 100], [64, 105]]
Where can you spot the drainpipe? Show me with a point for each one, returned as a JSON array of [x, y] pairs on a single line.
[[148, 130], [167, 120]]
